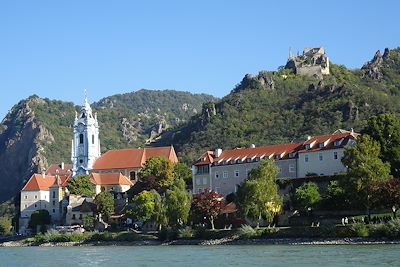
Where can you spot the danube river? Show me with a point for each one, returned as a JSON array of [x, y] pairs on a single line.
[[261, 255]]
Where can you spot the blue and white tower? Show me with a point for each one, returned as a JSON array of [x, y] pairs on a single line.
[[85, 143]]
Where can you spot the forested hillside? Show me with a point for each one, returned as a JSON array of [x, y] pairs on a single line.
[[279, 106]]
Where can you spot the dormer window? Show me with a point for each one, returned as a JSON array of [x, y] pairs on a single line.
[[308, 146], [337, 143], [292, 155], [239, 161], [277, 156], [321, 145], [257, 159], [248, 160]]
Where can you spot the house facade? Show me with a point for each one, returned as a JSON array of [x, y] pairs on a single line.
[[222, 171]]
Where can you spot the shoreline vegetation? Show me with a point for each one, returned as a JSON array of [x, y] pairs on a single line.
[[246, 235]]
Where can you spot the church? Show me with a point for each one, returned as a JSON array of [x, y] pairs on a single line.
[[116, 171]]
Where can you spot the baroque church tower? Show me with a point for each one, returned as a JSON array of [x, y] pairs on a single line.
[[85, 143]]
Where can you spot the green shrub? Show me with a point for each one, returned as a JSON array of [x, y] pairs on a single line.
[[186, 233], [39, 238], [269, 232], [167, 234], [127, 236], [359, 230], [247, 232], [392, 229], [104, 236]]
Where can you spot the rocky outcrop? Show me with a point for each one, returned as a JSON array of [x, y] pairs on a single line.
[[21, 148], [262, 80], [372, 69]]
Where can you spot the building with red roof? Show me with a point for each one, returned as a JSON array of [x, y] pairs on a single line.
[[223, 170], [130, 161]]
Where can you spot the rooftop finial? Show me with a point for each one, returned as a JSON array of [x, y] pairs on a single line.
[[85, 96]]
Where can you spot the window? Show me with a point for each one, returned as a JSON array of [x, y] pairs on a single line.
[[26, 197], [198, 181], [81, 139], [292, 155], [236, 173], [73, 217], [239, 161], [92, 139], [199, 190], [217, 190], [321, 158], [248, 160], [308, 146], [45, 197], [54, 194], [225, 174], [80, 216], [54, 211], [279, 169], [203, 169], [337, 143], [306, 158], [35, 205], [26, 206], [204, 180], [54, 202], [216, 175], [321, 145], [335, 155], [35, 196], [291, 168]]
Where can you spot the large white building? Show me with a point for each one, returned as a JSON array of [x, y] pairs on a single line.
[[85, 148], [223, 170]]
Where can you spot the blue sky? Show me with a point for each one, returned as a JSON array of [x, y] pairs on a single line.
[[56, 49]]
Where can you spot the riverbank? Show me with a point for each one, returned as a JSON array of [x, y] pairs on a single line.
[[213, 242]]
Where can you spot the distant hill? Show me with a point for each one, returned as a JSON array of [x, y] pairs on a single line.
[[37, 132], [279, 106]]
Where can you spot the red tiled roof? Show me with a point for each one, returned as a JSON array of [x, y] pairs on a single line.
[[282, 150], [132, 158], [110, 179], [56, 169], [38, 182], [244, 153]]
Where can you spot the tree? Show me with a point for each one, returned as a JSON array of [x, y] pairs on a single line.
[[335, 197], [388, 193], [178, 201], [105, 204], [142, 206], [5, 225], [364, 169], [208, 204], [307, 197], [182, 171], [258, 197], [39, 218], [88, 222], [160, 212], [160, 172], [81, 186], [385, 129]]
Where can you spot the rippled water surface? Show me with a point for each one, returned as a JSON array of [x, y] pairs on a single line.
[[262, 255]]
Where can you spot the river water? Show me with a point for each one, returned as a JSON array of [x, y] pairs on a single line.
[[260, 255]]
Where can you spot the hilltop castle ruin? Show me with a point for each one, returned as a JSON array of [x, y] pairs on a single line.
[[313, 62]]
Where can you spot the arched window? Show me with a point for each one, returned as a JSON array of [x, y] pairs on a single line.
[[81, 139], [92, 139]]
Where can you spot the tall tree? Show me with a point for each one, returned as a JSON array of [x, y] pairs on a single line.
[[208, 204], [307, 197], [81, 186], [158, 173], [258, 197], [178, 202], [388, 193], [364, 169], [385, 129], [160, 211], [142, 208], [182, 171], [105, 204]]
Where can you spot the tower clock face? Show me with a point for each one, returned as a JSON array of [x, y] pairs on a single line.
[[81, 127]]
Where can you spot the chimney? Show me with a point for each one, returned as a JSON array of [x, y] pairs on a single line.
[[308, 137], [62, 165], [43, 174], [218, 152], [252, 146]]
